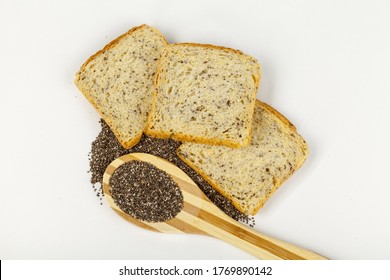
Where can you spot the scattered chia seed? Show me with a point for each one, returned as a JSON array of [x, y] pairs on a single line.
[[106, 148], [145, 192]]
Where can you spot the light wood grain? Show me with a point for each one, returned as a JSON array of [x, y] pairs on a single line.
[[200, 216]]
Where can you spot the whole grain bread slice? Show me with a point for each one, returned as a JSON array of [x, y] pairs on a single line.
[[119, 81], [249, 176], [204, 94]]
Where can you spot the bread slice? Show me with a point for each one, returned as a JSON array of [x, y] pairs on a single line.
[[204, 94], [119, 81], [248, 176]]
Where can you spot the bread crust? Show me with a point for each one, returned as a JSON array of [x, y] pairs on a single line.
[[202, 140], [215, 185], [190, 138], [87, 94]]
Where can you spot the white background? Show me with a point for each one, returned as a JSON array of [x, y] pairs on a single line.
[[325, 66]]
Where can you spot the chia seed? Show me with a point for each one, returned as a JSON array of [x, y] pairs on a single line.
[[106, 148], [145, 192]]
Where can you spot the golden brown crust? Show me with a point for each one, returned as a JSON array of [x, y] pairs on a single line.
[[87, 94], [221, 191], [190, 138], [208, 46], [132, 142], [276, 113]]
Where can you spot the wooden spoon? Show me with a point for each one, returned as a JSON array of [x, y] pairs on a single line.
[[200, 216]]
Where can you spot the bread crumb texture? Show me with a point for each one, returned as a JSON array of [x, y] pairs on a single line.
[[248, 176], [204, 94], [118, 81]]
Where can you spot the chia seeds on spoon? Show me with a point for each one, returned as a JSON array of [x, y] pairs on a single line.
[[106, 148], [145, 192]]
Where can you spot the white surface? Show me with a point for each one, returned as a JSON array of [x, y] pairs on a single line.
[[325, 66]]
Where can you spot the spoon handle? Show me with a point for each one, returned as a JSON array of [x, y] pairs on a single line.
[[258, 244]]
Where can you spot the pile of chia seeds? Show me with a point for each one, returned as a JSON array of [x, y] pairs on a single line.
[[145, 192], [106, 148]]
